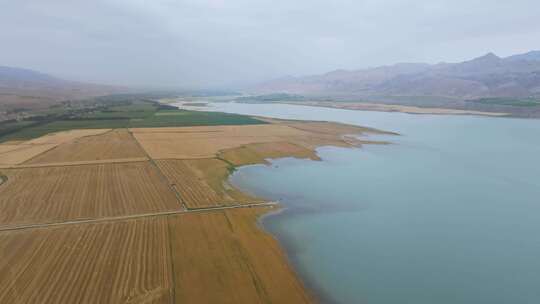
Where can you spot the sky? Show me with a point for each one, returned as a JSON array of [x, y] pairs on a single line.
[[233, 43]]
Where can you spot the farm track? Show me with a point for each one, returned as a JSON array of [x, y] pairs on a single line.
[[136, 216], [78, 163], [54, 194], [162, 176]]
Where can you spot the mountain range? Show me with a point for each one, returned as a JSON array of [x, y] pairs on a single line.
[[488, 76], [24, 89]]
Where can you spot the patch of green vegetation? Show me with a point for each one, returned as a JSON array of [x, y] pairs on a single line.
[[10, 127], [139, 106], [64, 125], [184, 118], [516, 102], [123, 111], [271, 97], [117, 115]]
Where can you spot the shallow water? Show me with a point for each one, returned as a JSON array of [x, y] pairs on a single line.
[[450, 213]]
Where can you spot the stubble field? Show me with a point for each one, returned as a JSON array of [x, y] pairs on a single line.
[[104, 216], [52, 194]]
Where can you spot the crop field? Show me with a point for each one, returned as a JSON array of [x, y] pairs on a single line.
[[115, 262], [332, 128], [115, 144], [203, 182], [259, 153], [111, 112], [226, 258], [23, 153], [207, 143], [146, 215], [49, 194], [17, 153], [65, 136]]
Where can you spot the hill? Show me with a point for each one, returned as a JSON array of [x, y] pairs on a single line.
[[488, 76], [23, 91]]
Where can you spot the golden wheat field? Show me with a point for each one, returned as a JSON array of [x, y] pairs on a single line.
[[114, 144], [40, 195], [207, 142], [199, 143], [202, 182], [23, 153], [226, 258], [259, 153], [139, 215], [17, 152], [65, 136], [115, 262]]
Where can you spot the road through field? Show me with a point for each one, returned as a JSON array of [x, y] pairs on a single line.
[[136, 216]]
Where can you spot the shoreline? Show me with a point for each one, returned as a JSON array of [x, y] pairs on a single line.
[[376, 107], [286, 246], [316, 292], [334, 135]]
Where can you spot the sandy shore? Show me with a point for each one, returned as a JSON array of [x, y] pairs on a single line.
[[365, 106]]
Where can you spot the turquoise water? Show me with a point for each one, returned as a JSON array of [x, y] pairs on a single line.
[[450, 213]]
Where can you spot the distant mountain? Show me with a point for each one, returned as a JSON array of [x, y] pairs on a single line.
[[483, 77], [23, 89], [532, 56], [17, 77]]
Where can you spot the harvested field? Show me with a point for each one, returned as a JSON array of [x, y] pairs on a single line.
[[115, 144], [53, 194], [259, 152], [207, 142], [332, 128], [12, 154], [23, 153], [9, 147], [202, 182], [103, 176], [226, 258], [65, 136], [120, 262], [77, 163], [176, 146]]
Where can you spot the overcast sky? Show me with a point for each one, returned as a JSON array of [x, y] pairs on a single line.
[[208, 43]]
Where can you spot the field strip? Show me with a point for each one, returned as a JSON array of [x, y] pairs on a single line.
[[134, 216], [154, 130], [79, 163], [153, 162]]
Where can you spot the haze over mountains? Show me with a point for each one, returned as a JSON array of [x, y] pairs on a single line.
[[487, 76], [27, 89]]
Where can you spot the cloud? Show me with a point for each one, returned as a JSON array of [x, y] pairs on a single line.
[[230, 42]]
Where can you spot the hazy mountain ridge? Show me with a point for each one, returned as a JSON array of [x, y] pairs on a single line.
[[24, 89], [483, 77]]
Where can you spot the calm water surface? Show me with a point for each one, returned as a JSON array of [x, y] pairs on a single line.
[[450, 213]]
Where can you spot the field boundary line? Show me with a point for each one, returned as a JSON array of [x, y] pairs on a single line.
[[59, 144], [171, 257], [134, 216], [161, 174], [80, 163]]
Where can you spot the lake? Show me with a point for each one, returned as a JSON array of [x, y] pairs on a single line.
[[449, 213]]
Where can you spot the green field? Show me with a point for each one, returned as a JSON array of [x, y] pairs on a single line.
[[516, 102], [129, 114]]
